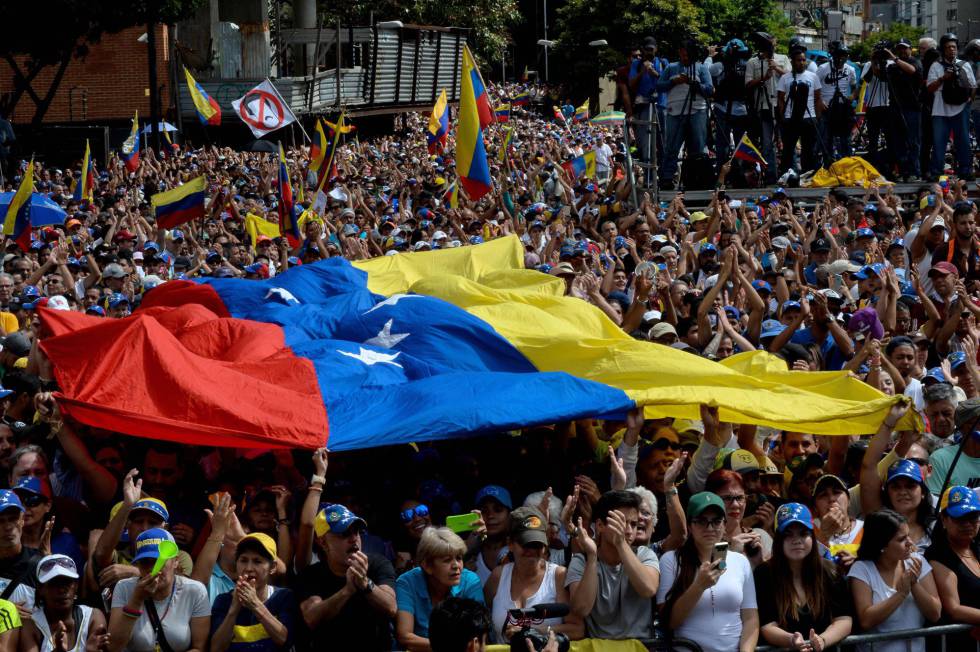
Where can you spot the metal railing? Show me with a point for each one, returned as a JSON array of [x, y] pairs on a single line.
[[908, 635]]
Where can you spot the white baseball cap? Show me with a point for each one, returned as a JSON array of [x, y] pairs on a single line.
[[54, 566]]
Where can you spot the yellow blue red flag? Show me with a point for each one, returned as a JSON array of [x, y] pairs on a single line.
[[207, 108], [17, 222], [581, 166], [471, 152], [287, 216], [749, 152], [582, 112], [85, 185], [505, 145], [182, 204], [318, 148], [438, 130], [131, 146]]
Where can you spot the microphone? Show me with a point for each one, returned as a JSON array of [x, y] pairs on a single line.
[[548, 610]]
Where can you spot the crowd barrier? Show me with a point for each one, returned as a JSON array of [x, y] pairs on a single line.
[[907, 635]]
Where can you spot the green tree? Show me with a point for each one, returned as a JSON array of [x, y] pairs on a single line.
[[861, 51], [726, 19], [489, 20], [35, 36]]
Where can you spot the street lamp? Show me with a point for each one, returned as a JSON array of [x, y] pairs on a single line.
[[547, 44]]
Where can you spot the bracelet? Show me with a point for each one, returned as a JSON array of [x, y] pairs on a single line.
[[282, 521], [218, 541], [318, 478], [132, 613], [671, 492], [312, 488]]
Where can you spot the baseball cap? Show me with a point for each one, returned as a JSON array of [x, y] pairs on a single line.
[[864, 233], [790, 513], [780, 242], [944, 268], [959, 501], [562, 269], [9, 500], [117, 299], [498, 493], [148, 543], [661, 329], [769, 468], [33, 485], [259, 542], [772, 328], [820, 244], [740, 460], [956, 360], [697, 216], [904, 469], [15, 343], [868, 271], [114, 270], [93, 310], [157, 507], [58, 302], [702, 501], [866, 321], [828, 478], [528, 525], [762, 286], [151, 246], [54, 566], [790, 305], [936, 375], [800, 464], [336, 519]]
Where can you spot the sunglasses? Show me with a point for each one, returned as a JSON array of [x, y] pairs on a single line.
[[708, 522], [57, 562], [663, 444], [420, 511], [33, 500]]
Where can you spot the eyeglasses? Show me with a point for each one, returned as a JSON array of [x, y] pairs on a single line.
[[708, 523], [733, 498], [419, 510]]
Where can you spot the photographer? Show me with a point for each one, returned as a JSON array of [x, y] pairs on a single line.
[[838, 86], [905, 77], [643, 75], [728, 76], [688, 87], [952, 82], [762, 72], [878, 115], [799, 93]]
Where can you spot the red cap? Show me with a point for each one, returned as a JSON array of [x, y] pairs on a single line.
[[944, 268], [124, 235]]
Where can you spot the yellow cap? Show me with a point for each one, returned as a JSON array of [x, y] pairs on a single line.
[[263, 540], [697, 216]]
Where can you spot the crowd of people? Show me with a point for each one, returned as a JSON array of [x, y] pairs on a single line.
[[803, 109], [725, 535]]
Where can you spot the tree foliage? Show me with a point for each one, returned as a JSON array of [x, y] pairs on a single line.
[[489, 20], [861, 51]]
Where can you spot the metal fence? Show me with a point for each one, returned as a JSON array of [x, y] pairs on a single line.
[[907, 635]]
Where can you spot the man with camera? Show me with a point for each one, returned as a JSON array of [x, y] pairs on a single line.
[[798, 98], [728, 77], [838, 86], [905, 78], [878, 114], [688, 87], [643, 77], [762, 72], [952, 82]]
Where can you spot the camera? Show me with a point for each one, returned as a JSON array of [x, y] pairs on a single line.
[[538, 639], [880, 50]]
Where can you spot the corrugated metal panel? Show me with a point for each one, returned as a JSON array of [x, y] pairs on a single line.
[[256, 52], [229, 45], [427, 64], [384, 74]]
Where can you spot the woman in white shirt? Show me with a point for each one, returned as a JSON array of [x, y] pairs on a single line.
[[708, 601], [528, 581], [891, 585]]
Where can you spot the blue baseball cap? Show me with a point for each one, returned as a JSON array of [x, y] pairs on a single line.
[[566, 251], [790, 305], [864, 233], [336, 519], [868, 270], [708, 248], [476, 239], [544, 268], [4, 392], [536, 224], [956, 360], [619, 242], [733, 312], [148, 543], [92, 310], [762, 286], [496, 492], [117, 299], [158, 507], [790, 513], [151, 245], [898, 243], [33, 485], [9, 500], [176, 234], [858, 257], [936, 374], [29, 292], [772, 328], [959, 501], [904, 469]]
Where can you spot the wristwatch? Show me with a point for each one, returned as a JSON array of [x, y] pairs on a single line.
[[369, 587]]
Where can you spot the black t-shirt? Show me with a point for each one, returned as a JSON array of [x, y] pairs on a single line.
[[967, 264], [22, 568], [967, 583], [358, 626], [905, 87], [765, 595]]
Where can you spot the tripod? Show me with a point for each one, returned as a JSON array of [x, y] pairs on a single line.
[[687, 111], [761, 99]]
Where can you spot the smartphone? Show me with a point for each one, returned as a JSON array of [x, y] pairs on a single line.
[[720, 551], [462, 522]]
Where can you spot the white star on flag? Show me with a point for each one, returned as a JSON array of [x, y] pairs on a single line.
[[393, 300], [385, 339], [369, 357], [282, 294]]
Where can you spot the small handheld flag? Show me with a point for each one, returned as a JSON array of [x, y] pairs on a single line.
[[318, 148], [208, 111], [582, 112], [581, 165], [131, 146], [85, 186], [749, 152], [182, 204], [502, 155], [17, 222], [438, 130], [287, 219], [521, 99], [502, 113], [471, 153]]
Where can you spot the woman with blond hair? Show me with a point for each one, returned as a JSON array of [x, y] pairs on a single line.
[[439, 575]]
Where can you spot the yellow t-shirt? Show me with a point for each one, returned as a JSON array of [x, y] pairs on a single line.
[[9, 322], [9, 617]]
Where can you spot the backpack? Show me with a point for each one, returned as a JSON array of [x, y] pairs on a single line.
[[953, 91]]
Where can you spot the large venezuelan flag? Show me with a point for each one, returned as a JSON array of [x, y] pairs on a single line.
[[208, 110], [438, 129], [471, 152], [17, 220], [131, 146], [181, 204], [403, 349]]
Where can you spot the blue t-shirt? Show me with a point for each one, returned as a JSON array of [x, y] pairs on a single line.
[[250, 634], [413, 595], [833, 357]]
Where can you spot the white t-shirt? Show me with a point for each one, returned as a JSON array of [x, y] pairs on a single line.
[[603, 153], [832, 80], [877, 90], [715, 622], [913, 389], [907, 616], [939, 107], [189, 600], [807, 78]]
